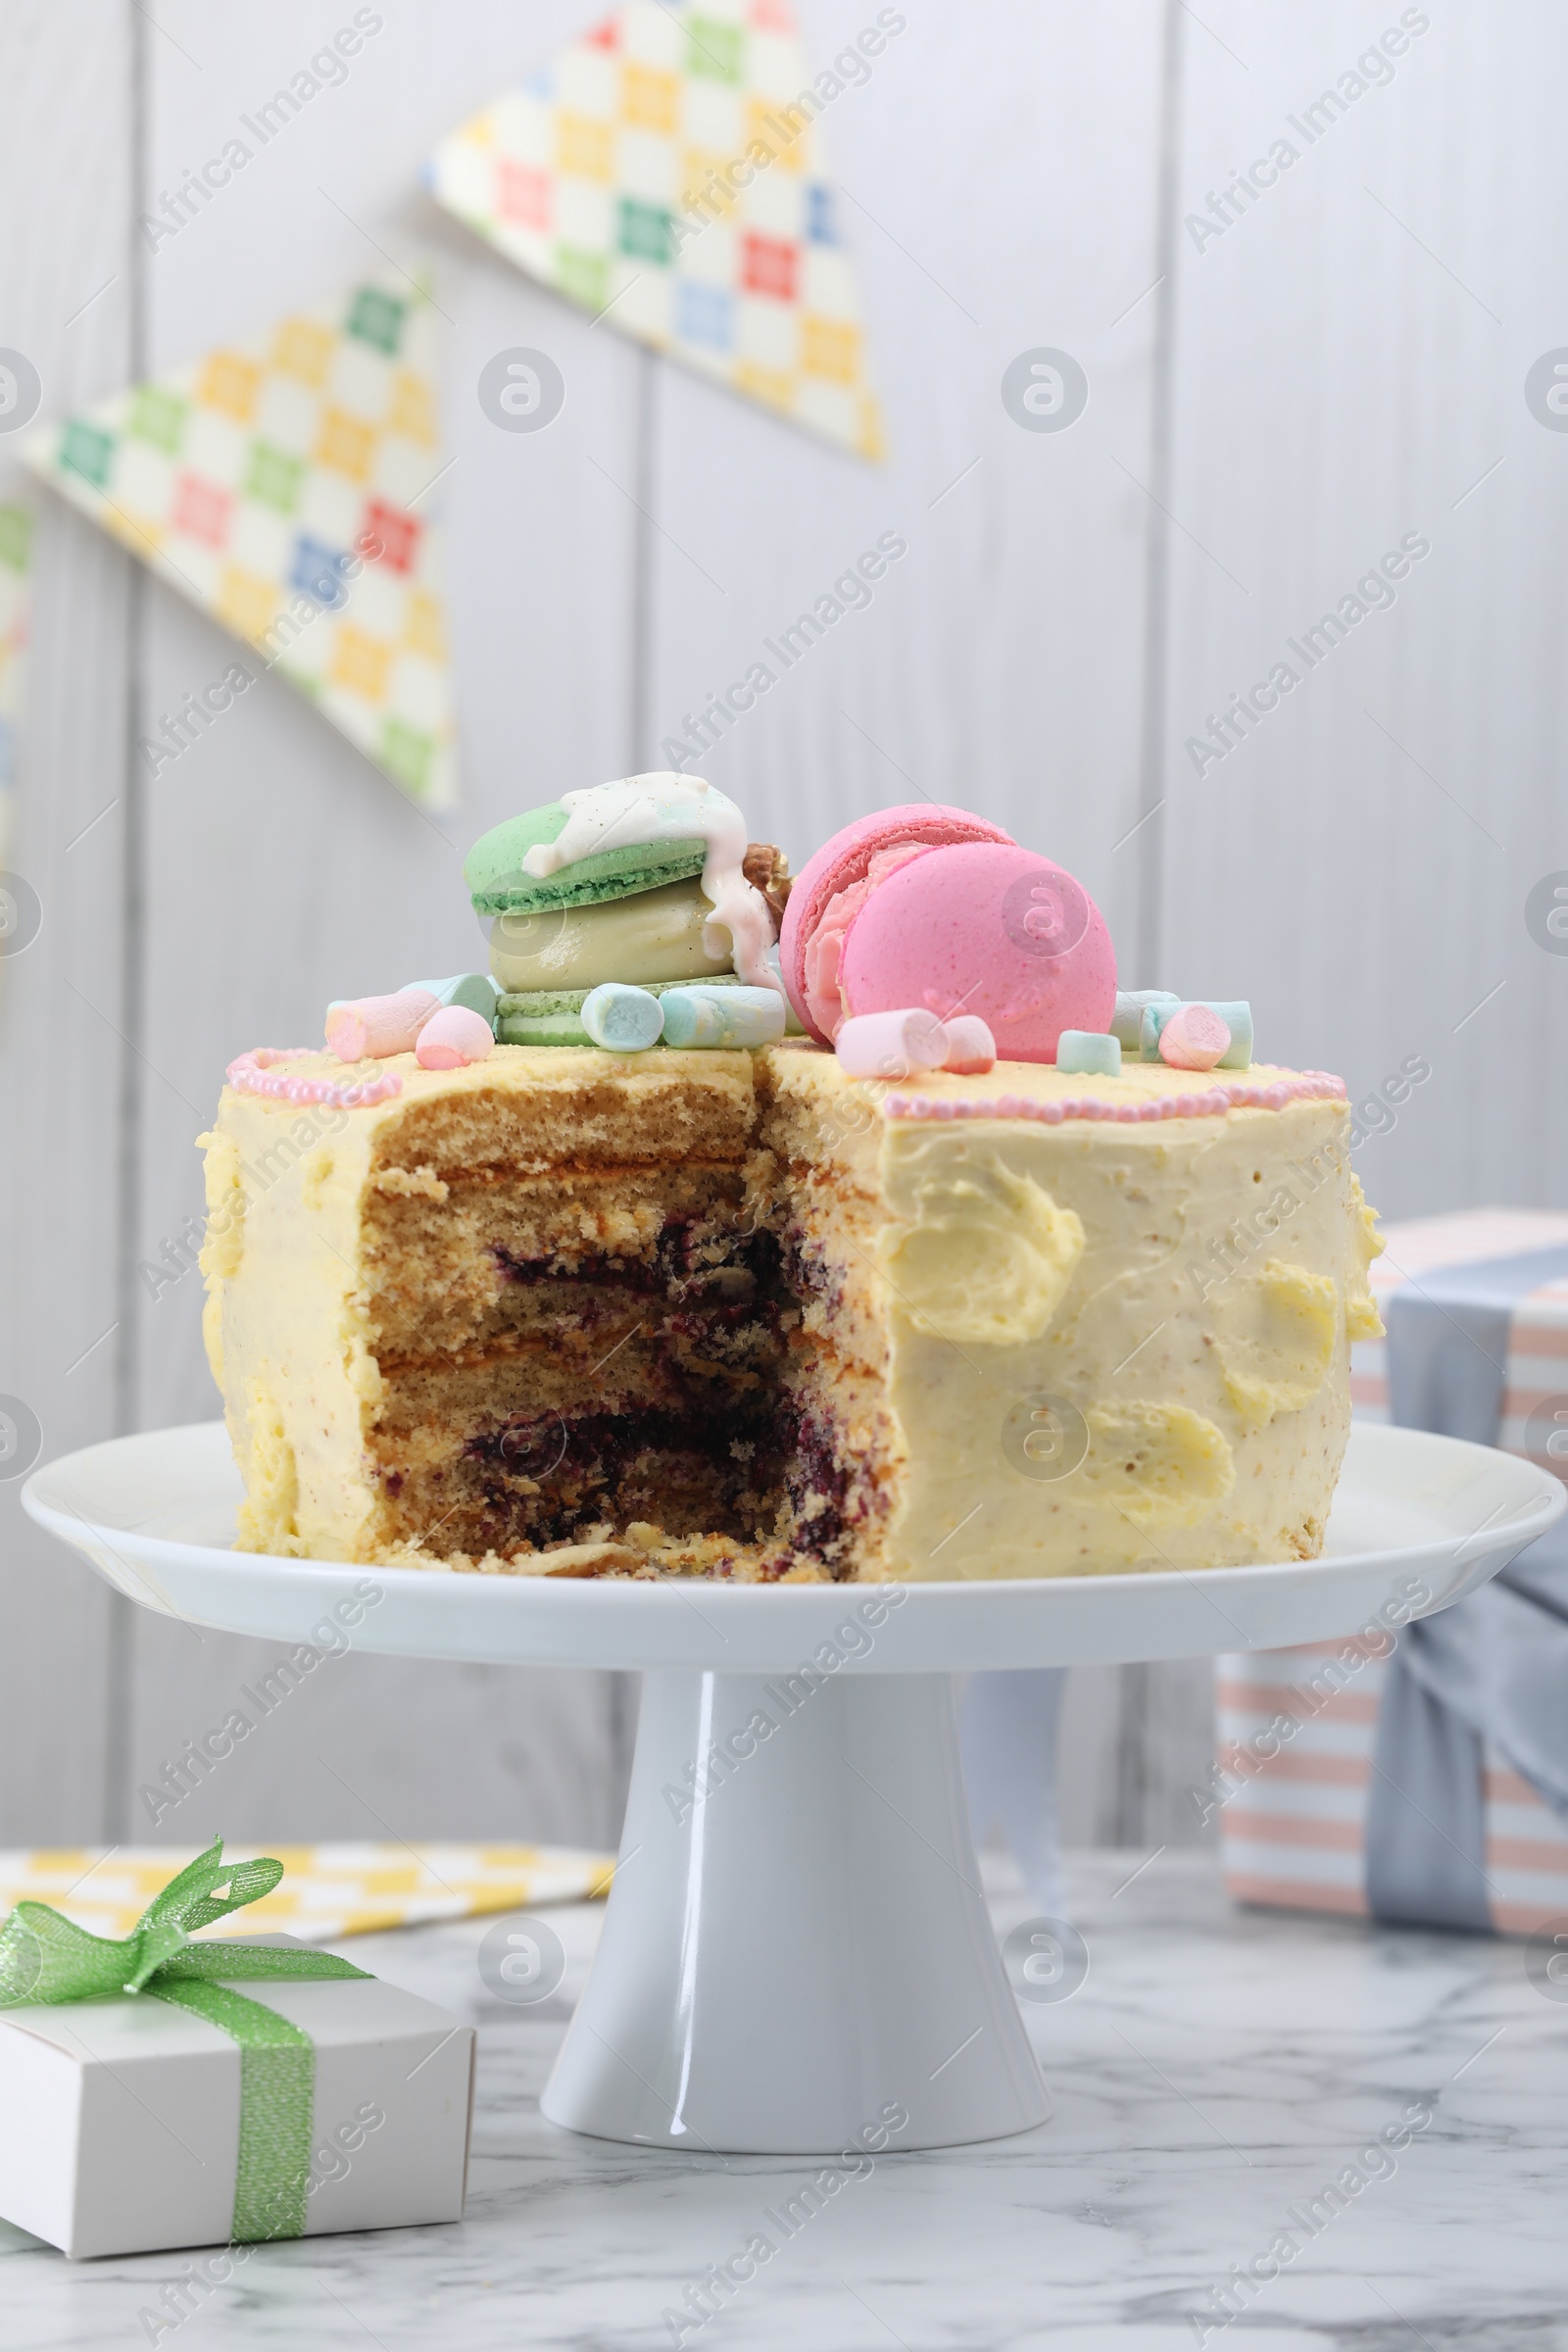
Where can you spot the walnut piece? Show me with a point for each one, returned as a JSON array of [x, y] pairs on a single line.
[[768, 870]]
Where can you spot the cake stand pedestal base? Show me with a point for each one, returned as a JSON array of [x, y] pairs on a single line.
[[797, 1958]]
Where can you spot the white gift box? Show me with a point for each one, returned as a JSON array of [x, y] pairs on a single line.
[[120, 2118]]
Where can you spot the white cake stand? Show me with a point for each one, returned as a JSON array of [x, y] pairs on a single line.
[[795, 1946]]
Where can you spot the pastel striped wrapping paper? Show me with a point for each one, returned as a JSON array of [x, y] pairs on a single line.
[[1537, 1344], [1293, 1834], [1297, 1727]]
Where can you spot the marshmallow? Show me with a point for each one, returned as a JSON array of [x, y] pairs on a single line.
[[454, 1036], [889, 1045], [971, 1047], [622, 1019], [369, 1028], [1235, 1014], [1193, 1038], [476, 989], [722, 1016], [1088, 1051], [794, 1026], [1127, 1021], [1238, 1020]]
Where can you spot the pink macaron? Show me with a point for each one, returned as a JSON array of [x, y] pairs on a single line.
[[833, 885], [986, 928]]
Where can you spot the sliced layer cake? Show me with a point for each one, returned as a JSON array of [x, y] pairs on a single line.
[[581, 1265], [742, 1315]]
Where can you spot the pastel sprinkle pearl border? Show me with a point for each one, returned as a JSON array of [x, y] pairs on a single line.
[[1211, 1105], [252, 1074]]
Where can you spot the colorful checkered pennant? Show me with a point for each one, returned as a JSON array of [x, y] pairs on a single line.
[[280, 485], [667, 172]]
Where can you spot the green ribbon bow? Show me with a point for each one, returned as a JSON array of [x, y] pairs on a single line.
[[44, 1957]]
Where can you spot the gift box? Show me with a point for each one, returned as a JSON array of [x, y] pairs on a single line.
[[1297, 1731], [1419, 1772], [162, 2092]]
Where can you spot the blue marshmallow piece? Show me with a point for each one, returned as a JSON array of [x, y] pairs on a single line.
[[1238, 1020], [1089, 1053], [622, 1019], [794, 1026], [1237, 1017], [474, 990], [1150, 1022], [722, 1016], [1127, 1021]]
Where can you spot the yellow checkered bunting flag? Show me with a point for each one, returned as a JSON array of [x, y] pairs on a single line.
[[280, 484], [667, 173], [326, 1892]]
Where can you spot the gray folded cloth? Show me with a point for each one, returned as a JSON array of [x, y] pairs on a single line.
[[1493, 1668]]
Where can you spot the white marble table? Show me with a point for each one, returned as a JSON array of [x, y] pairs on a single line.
[[1215, 2073]]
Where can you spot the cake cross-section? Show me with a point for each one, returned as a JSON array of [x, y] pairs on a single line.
[[743, 1314]]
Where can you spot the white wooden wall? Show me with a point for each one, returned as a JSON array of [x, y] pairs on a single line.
[[1266, 418], [1350, 364]]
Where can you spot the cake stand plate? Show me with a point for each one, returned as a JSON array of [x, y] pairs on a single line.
[[797, 1958]]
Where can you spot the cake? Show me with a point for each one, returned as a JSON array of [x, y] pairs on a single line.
[[750, 1313]]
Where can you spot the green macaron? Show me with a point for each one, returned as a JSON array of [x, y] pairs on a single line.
[[542, 1029], [553, 1017], [498, 883], [535, 1004]]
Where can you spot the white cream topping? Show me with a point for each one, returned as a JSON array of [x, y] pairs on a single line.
[[669, 806]]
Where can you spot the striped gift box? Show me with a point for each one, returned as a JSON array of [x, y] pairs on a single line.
[[1297, 1727], [1296, 1732], [1538, 1343]]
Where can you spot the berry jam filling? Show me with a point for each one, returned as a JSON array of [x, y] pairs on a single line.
[[728, 1451]]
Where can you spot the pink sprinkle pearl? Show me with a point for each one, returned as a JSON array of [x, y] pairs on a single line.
[[251, 1074], [1214, 1103]]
